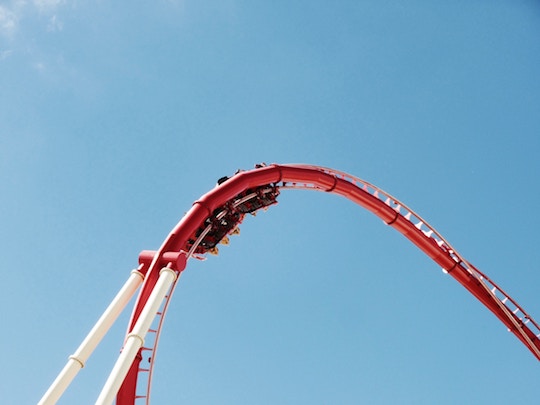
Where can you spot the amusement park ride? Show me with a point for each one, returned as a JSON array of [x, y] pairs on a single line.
[[210, 221]]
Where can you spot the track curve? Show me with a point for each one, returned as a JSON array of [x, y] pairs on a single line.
[[218, 213]]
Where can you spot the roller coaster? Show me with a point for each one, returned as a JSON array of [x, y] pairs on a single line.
[[217, 215]]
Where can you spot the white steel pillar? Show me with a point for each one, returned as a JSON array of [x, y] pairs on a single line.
[[135, 339], [77, 360]]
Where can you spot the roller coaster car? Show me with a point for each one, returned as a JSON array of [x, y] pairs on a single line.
[[225, 219], [223, 222], [254, 199]]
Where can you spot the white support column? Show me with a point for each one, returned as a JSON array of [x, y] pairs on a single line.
[[77, 360], [135, 339]]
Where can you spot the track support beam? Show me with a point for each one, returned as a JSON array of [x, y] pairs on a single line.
[[135, 339], [77, 360]]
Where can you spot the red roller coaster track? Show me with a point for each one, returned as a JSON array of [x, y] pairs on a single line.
[[220, 211]]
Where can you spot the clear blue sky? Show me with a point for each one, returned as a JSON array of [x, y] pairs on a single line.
[[115, 117]]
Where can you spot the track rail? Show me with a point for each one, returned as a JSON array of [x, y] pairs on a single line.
[[220, 211]]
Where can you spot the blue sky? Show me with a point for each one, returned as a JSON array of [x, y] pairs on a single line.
[[116, 117]]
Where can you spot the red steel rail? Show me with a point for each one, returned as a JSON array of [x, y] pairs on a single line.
[[219, 212]]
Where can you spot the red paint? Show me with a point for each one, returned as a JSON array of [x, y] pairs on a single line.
[[321, 179]]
